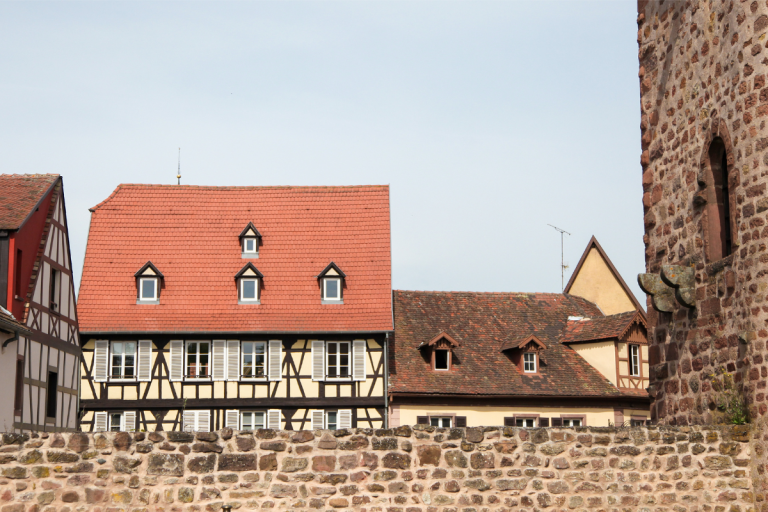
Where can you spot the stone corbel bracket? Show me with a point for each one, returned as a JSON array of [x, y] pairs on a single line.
[[663, 296], [681, 278]]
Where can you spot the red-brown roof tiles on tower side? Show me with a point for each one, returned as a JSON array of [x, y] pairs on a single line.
[[19, 194], [191, 234], [481, 323], [590, 329]]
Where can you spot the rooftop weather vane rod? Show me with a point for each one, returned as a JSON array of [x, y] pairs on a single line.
[[178, 172], [563, 266]]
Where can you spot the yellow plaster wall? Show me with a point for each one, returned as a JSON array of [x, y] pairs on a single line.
[[596, 283], [601, 355], [494, 416]]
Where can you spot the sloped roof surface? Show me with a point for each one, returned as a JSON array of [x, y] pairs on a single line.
[[191, 234], [599, 328], [19, 194], [482, 323]]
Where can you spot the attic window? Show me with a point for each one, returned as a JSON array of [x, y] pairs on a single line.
[[442, 359], [529, 362], [250, 239], [249, 285], [442, 356], [525, 353], [148, 284], [332, 284]]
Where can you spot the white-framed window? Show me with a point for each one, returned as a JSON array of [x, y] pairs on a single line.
[[634, 360], [252, 420], [337, 357], [529, 362], [250, 245], [123, 360], [525, 422], [148, 289], [571, 422], [249, 289], [332, 288], [440, 421], [253, 356], [637, 422], [198, 359], [332, 420], [442, 359]]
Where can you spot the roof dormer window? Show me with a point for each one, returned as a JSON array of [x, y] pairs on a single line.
[[442, 355], [250, 239], [332, 284], [148, 284], [525, 353], [249, 285]]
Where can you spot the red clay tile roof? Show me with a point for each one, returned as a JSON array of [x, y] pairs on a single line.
[[191, 234], [19, 194], [589, 329], [482, 323]]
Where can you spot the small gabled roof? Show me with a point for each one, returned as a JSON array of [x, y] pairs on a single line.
[[601, 328], [330, 266], [442, 336], [246, 268], [20, 195], [594, 244], [149, 265], [250, 227], [522, 342]]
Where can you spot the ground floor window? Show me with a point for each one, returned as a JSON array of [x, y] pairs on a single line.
[[250, 420], [572, 422], [525, 422], [438, 421], [637, 422]]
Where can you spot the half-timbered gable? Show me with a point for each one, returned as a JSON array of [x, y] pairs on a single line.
[[38, 290], [236, 332]]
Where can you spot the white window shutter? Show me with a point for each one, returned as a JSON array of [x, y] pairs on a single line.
[[318, 360], [219, 371], [345, 418], [189, 421], [129, 420], [233, 360], [100, 422], [203, 421], [275, 360], [318, 419], [177, 360], [274, 419], [101, 361], [144, 371], [358, 360], [232, 419]]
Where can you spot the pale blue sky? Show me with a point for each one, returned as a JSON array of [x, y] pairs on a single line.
[[488, 119]]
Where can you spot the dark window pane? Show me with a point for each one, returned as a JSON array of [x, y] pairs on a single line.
[[331, 288], [147, 288], [53, 384], [249, 289], [441, 359]]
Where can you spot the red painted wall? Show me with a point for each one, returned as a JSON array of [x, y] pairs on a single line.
[[28, 240]]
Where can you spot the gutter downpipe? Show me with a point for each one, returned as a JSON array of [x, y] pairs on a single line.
[[386, 380]]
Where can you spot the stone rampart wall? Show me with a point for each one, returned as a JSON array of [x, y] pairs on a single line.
[[419, 469]]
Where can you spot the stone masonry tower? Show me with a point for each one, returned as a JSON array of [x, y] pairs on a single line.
[[704, 104]]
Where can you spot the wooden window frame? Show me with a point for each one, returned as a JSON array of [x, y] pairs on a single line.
[[156, 283], [110, 356], [582, 417], [18, 398], [630, 360], [340, 296], [186, 361], [240, 294], [242, 376], [350, 356], [54, 289], [122, 421], [263, 414], [434, 359], [51, 398]]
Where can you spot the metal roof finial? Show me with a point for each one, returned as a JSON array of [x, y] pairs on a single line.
[[178, 173]]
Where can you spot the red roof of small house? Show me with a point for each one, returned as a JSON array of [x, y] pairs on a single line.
[[20, 194], [191, 235], [482, 324], [600, 328]]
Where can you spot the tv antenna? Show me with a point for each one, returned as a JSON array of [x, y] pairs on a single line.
[[563, 266], [178, 172]]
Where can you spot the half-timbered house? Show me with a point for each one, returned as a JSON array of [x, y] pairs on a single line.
[[241, 307], [522, 359], [39, 350]]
